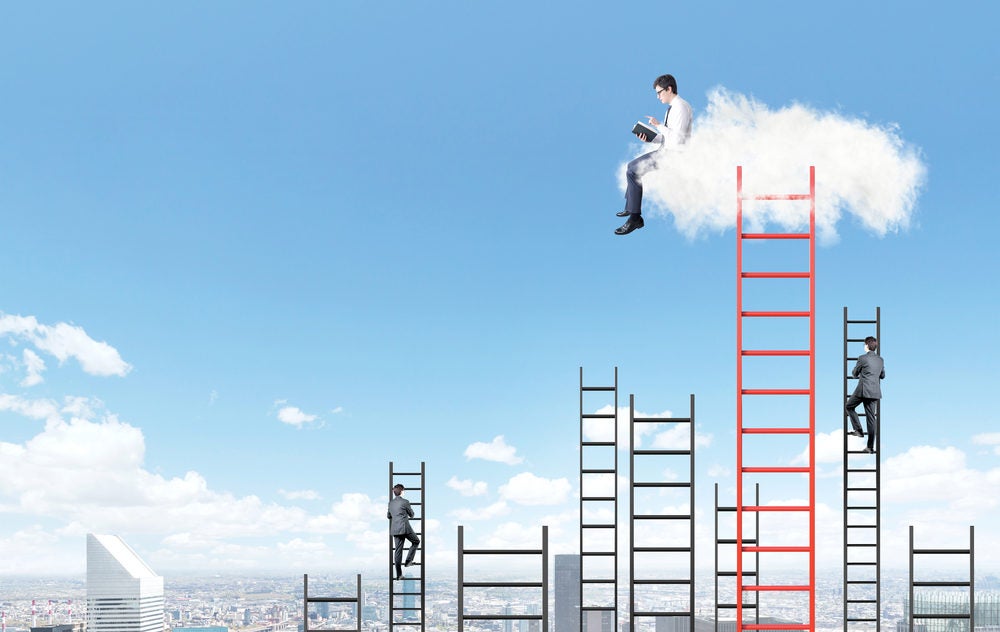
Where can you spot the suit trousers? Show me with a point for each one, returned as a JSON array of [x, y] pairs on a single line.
[[633, 178], [398, 540], [871, 416]]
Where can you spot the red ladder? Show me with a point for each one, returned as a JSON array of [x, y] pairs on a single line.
[[795, 429]]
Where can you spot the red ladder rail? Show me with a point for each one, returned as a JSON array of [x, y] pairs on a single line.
[[809, 547]]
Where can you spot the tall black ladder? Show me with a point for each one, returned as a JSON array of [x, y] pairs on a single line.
[[307, 599], [412, 608], [543, 584], [751, 574], [970, 616], [862, 497], [598, 463], [687, 547]]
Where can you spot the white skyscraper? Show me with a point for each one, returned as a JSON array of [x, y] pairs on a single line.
[[123, 593]]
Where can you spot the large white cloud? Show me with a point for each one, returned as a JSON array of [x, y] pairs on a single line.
[[528, 489], [862, 168], [496, 450], [65, 341], [468, 487]]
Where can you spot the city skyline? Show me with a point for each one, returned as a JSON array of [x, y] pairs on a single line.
[[255, 254]]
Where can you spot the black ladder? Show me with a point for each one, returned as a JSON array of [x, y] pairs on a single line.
[[598, 463], [411, 589], [685, 547], [720, 542], [970, 584], [543, 584], [307, 599], [862, 498]]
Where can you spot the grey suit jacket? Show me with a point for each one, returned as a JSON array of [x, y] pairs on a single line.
[[400, 513], [869, 370]]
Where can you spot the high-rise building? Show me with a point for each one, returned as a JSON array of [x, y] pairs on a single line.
[[410, 600], [123, 593], [567, 590], [599, 621]]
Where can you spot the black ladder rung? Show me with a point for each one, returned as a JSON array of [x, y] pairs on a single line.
[[866, 507], [597, 416], [862, 489], [943, 584], [597, 553], [661, 484], [928, 615], [941, 551], [733, 573], [502, 584], [597, 581], [865, 545], [867, 470], [733, 541], [861, 619], [603, 444], [662, 549], [855, 340], [598, 498], [405, 593], [862, 322], [861, 601], [598, 608], [662, 582], [599, 471], [662, 613], [862, 526], [661, 420], [661, 452], [663, 517], [598, 526], [733, 606], [861, 563], [862, 582], [597, 388]]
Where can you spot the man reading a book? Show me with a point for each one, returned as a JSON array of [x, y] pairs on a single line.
[[672, 132]]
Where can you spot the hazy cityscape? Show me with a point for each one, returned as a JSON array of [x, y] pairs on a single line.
[[265, 604]]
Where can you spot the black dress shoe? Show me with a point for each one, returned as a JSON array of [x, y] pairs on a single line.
[[634, 221], [622, 213], [855, 433], [868, 451]]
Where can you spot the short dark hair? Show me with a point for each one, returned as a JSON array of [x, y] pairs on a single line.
[[398, 486], [871, 342], [666, 81]]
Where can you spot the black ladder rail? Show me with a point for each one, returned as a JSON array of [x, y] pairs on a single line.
[[543, 584], [971, 584], [690, 485], [306, 600], [721, 573], [409, 596], [611, 582], [862, 571]]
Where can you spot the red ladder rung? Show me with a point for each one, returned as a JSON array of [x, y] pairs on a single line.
[[760, 314], [775, 626], [776, 352], [774, 235], [775, 508], [777, 430], [776, 470], [788, 196], [775, 275], [776, 391], [777, 587], [777, 549]]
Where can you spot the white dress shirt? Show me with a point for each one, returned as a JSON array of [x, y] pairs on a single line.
[[676, 128]]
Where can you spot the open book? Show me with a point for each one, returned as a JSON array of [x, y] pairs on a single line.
[[642, 128]]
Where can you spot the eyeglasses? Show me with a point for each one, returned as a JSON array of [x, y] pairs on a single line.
[[659, 90]]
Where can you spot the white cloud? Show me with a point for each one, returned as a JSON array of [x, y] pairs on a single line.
[[861, 168], [499, 508], [496, 450], [603, 429], [34, 366], [294, 416], [988, 439], [528, 489], [467, 487], [301, 494], [718, 471], [65, 341]]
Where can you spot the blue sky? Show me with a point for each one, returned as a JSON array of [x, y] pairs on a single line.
[[393, 223]]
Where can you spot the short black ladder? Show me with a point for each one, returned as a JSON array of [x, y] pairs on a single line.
[[306, 600], [720, 542], [682, 547], [543, 584], [970, 584]]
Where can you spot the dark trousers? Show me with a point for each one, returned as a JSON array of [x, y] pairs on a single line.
[[633, 178], [871, 416], [398, 540]]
